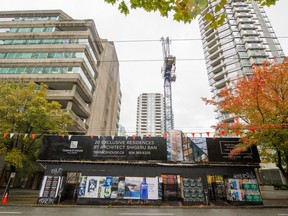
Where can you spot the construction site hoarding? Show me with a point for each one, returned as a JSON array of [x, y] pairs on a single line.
[[219, 151], [103, 148]]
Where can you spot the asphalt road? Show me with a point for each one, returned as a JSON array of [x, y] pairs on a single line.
[[97, 211]]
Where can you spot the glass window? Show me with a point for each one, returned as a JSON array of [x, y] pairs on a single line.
[[42, 55], [37, 29], [46, 70], [240, 47], [18, 55], [243, 54], [34, 55], [245, 62], [28, 70], [51, 55], [37, 70], [20, 70], [229, 52], [26, 55], [278, 47], [12, 70], [4, 70]]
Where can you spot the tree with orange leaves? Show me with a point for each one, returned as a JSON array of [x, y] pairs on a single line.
[[260, 102]]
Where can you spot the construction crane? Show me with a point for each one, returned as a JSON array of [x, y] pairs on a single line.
[[168, 73]]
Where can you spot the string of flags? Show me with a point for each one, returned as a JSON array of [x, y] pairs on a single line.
[[222, 133]]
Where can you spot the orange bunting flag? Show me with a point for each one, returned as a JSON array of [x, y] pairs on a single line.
[[193, 134], [33, 136], [208, 133], [5, 135], [237, 132], [164, 135]]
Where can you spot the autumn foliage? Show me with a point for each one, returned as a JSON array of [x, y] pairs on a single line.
[[25, 115], [260, 106], [181, 10]]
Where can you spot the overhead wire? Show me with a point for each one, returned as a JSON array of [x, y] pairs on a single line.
[[154, 40], [176, 39]]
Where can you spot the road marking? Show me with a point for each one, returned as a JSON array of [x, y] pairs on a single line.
[[10, 212], [147, 214], [282, 214]]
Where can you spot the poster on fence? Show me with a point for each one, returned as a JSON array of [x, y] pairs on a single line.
[[114, 187]]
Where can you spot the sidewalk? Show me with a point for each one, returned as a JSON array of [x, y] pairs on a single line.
[[18, 196]]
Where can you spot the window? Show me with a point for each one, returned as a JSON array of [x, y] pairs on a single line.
[[245, 62], [243, 54]]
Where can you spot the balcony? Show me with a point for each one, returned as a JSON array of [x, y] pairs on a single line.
[[244, 21], [249, 33], [243, 15], [257, 61], [217, 68], [239, 4], [251, 39], [78, 126], [63, 96], [219, 75], [247, 26], [256, 53], [209, 32], [254, 46], [210, 35], [214, 48], [212, 43], [215, 54], [220, 83], [241, 9], [216, 60]]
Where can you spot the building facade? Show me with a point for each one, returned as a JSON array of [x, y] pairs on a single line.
[[150, 114], [80, 69], [136, 171], [245, 39]]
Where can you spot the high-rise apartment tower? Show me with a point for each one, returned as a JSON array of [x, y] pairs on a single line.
[[245, 39], [80, 69], [150, 114]]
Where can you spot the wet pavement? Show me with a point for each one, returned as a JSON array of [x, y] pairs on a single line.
[[21, 197]]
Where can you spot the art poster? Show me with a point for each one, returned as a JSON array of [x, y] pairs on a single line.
[[193, 190], [50, 186], [111, 187], [243, 190]]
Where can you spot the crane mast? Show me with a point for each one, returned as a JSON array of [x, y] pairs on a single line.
[[168, 73]]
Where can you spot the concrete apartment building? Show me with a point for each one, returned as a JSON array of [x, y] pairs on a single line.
[[150, 114], [80, 69], [246, 39]]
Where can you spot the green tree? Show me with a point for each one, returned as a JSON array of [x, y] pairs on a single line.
[[261, 104], [181, 10], [25, 115]]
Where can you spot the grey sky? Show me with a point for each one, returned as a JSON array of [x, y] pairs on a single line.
[[190, 113]]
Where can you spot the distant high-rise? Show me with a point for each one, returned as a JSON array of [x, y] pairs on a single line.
[[150, 114], [80, 69], [245, 39]]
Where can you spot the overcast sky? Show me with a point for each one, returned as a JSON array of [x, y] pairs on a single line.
[[137, 38]]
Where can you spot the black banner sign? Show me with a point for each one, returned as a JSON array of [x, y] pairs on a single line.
[[101, 148], [219, 149]]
